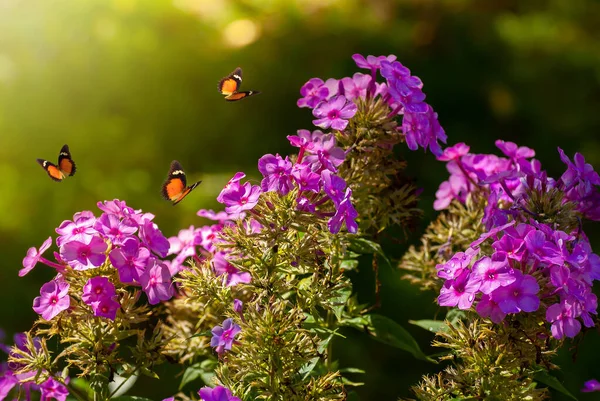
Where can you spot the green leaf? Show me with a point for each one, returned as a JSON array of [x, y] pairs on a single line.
[[206, 333], [348, 382], [130, 398], [202, 370], [542, 376], [387, 331], [352, 370], [339, 301], [433, 326], [365, 246], [349, 264]]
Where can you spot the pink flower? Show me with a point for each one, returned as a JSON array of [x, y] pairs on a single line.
[[54, 298]]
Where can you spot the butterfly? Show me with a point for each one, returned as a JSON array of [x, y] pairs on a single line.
[[174, 188], [65, 166], [229, 86]]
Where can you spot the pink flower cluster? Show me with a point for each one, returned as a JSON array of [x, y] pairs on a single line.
[[121, 237]]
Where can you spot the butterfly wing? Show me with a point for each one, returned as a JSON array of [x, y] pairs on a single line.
[[65, 162], [231, 83], [52, 170], [240, 95], [185, 192]]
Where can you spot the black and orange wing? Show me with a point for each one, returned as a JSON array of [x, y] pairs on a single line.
[[65, 162], [175, 188], [52, 170], [240, 95], [231, 83]]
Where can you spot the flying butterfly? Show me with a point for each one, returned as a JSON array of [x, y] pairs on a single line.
[[65, 166], [175, 187], [229, 86]]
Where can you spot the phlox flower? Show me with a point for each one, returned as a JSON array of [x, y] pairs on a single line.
[[224, 336], [562, 316], [154, 239], [460, 291], [241, 197], [156, 282], [519, 296], [312, 93], [591, 386], [33, 257], [334, 113], [82, 256], [53, 389], [218, 393], [233, 276], [130, 260], [54, 298], [277, 174], [80, 229], [344, 214]]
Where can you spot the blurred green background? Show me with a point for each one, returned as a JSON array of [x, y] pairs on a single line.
[[131, 85]]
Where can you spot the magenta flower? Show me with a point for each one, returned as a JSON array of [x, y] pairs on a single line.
[[130, 260], [460, 291], [562, 316], [33, 257], [371, 62], [52, 389], [494, 272], [423, 129], [591, 386], [345, 213], [306, 179], [233, 276], [114, 229], [454, 152], [54, 298], [218, 393], [80, 229], [457, 264], [154, 239], [277, 174], [334, 113], [334, 186], [325, 155], [356, 87], [223, 337], [518, 296], [116, 207], [244, 197], [487, 307], [96, 289], [305, 205], [232, 185], [84, 256], [156, 282], [312, 93], [215, 216], [513, 151], [184, 245], [106, 307]]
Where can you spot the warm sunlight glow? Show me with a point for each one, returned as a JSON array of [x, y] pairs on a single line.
[[240, 33]]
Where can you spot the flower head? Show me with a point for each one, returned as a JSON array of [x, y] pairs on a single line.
[[224, 336], [218, 393], [33, 257], [334, 113], [54, 298], [84, 255]]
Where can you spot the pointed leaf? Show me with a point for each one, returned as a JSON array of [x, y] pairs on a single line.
[[387, 331], [433, 326], [363, 245], [542, 376]]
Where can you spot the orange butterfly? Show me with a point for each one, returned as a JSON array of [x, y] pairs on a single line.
[[64, 168], [174, 188], [229, 86]]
